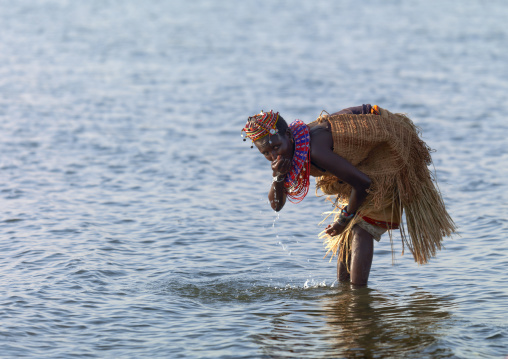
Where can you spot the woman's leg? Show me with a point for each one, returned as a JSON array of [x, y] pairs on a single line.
[[362, 250], [343, 269]]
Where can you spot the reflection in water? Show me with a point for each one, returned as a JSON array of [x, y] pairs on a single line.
[[362, 323], [368, 323]]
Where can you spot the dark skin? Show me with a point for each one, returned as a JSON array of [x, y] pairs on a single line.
[[279, 149]]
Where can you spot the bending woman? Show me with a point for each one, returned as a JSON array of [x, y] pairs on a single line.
[[374, 165]]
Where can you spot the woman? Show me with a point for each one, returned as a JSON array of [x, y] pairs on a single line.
[[375, 164]]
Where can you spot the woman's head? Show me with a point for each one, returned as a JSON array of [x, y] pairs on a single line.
[[271, 135], [264, 124]]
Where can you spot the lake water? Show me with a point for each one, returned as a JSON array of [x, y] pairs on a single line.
[[135, 222]]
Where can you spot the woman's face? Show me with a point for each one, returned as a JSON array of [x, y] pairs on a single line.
[[272, 146]]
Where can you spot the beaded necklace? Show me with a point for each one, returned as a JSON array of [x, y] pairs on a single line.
[[297, 180]]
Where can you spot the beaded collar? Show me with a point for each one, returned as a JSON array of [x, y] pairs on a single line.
[[297, 180]]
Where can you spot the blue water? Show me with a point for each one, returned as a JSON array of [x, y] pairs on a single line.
[[134, 221]]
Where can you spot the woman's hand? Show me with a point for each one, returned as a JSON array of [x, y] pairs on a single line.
[[334, 229], [281, 166]]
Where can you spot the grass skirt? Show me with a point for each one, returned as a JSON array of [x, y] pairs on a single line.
[[387, 148]]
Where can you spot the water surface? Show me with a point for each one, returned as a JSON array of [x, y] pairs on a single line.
[[135, 222]]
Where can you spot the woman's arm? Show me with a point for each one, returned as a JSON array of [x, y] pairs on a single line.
[[277, 195], [355, 110], [277, 192], [322, 155]]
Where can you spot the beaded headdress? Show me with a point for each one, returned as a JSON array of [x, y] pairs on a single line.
[[260, 125]]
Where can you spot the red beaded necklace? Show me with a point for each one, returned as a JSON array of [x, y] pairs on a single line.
[[297, 180]]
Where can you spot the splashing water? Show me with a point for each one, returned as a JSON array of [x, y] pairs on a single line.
[[277, 217]]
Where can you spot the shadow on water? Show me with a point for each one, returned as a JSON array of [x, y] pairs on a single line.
[[362, 323]]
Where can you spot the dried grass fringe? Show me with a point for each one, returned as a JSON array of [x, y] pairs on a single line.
[[388, 149]]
